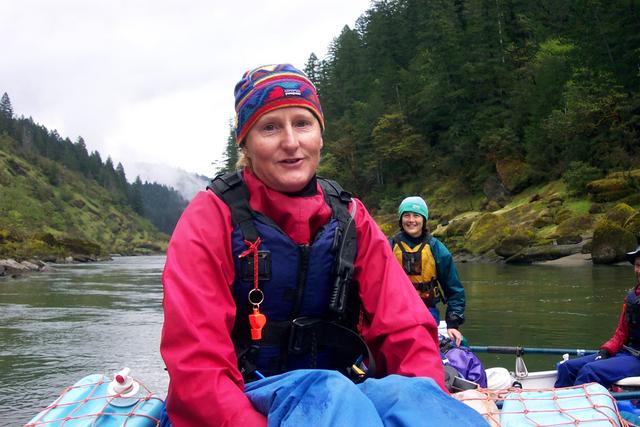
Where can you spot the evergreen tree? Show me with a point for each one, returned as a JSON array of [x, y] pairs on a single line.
[[135, 196], [230, 156], [6, 109], [95, 165], [82, 155]]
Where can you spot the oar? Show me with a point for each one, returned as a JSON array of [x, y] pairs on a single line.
[[626, 395], [519, 351]]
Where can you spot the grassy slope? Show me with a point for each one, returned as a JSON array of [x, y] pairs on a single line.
[[75, 216]]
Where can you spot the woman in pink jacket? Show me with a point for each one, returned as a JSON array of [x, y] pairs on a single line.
[[283, 301]]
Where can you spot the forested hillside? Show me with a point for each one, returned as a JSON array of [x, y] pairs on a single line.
[[424, 91], [56, 199], [471, 94], [503, 114], [517, 121]]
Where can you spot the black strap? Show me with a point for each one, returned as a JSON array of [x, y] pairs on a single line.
[[231, 189], [398, 241], [454, 381], [303, 336], [344, 291]]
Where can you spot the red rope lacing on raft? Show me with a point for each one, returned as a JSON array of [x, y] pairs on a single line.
[[253, 249], [131, 417], [484, 401]]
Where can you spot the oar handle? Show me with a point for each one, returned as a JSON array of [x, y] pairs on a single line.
[[497, 349], [626, 395], [519, 351]]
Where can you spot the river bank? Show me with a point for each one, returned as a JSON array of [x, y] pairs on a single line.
[[13, 268], [538, 225], [10, 267]]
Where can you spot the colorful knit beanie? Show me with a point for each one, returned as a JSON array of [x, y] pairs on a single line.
[[270, 87]]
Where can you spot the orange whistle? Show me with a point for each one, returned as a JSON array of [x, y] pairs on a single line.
[[257, 321]]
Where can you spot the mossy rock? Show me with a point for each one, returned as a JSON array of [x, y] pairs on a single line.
[[633, 199], [433, 223], [79, 246], [459, 227], [544, 219], [612, 188], [151, 246], [574, 225], [556, 198], [49, 239], [620, 213], [513, 244], [492, 206], [514, 174], [485, 233], [610, 243], [632, 225], [562, 215]]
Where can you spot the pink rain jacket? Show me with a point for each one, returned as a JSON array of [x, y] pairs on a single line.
[[206, 388]]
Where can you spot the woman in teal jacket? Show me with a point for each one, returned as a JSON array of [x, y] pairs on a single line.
[[429, 265]]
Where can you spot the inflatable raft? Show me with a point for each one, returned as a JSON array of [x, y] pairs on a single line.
[[98, 401], [122, 401]]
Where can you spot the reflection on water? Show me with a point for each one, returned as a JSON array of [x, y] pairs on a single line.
[[542, 306], [58, 327]]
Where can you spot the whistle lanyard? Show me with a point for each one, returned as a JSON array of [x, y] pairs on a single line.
[[257, 320]]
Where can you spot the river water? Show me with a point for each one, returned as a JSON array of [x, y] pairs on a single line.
[[80, 319]]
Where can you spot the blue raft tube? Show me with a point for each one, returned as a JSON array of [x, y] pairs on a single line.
[[97, 401]]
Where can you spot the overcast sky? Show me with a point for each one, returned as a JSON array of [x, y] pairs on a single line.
[[152, 80]]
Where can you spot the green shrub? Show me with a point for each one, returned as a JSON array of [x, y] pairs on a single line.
[[578, 175]]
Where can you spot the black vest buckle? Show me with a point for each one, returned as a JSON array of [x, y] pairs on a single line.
[[264, 267], [302, 333]]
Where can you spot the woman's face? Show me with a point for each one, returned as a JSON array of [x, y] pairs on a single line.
[[283, 147], [412, 223]]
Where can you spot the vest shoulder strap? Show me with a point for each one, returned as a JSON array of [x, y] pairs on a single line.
[[343, 298], [230, 187], [402, 245], [337, 198]]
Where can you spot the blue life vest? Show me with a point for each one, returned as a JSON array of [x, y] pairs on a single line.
[[632, 315], [310, 302]]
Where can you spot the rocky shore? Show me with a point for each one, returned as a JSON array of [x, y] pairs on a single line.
[[12, 268], [544, 224]]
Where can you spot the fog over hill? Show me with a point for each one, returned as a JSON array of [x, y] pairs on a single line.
[[185, 183]]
